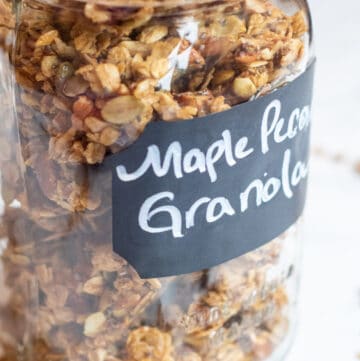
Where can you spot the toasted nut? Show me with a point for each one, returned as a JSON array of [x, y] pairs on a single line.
[[83, 107], [299, 24], [223, 76], [94, 324], [153, 34], [75, 86], [109, 77], [159, 68], [47, 38], [292, 52], [94, 153], [49, 65], [122, 110], [95, 124], [258, 64], [94, 286], [148, 343], [109, 136], [244, 87], [96, 14], [257, 6]]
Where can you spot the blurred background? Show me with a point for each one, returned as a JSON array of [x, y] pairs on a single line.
[[329, 320]]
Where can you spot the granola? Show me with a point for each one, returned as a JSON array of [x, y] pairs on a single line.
[[89, 78]]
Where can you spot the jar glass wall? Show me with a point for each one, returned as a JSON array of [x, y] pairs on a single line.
[[81, 81]]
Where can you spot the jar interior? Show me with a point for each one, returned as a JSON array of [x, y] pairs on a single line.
[[84, 80]]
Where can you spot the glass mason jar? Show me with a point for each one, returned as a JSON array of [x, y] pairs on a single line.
[[82, 82]]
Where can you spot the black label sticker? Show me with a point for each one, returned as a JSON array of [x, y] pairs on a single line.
[[189, 195]]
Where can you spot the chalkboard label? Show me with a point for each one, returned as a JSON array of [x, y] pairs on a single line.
[[189, 195]]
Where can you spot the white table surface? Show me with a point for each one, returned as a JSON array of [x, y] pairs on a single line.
[[329, 322]]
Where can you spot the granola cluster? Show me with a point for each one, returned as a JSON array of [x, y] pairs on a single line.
[[89, 78]]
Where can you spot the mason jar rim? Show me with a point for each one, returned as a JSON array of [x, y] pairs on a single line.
[[142, 3]]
